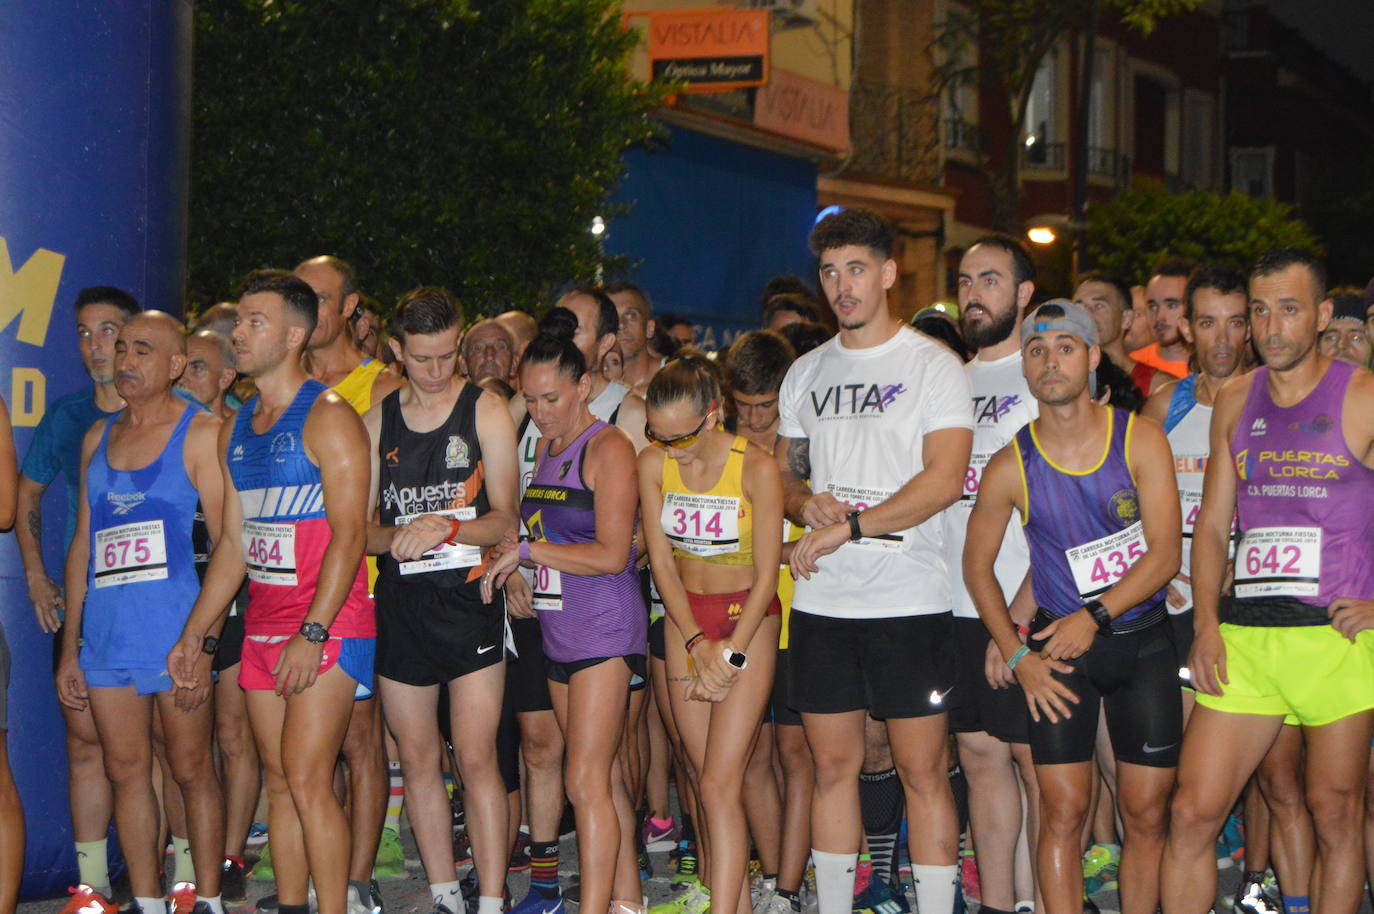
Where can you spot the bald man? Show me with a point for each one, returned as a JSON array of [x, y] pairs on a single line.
[[487, 351], [523, 328], [210, 371], [131, 583]]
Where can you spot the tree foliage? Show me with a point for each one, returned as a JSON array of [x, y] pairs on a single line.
[[1012, 38], [464, 143], [1128, 234]]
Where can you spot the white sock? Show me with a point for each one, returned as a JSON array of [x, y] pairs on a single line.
[[152, 905], [835, 881], [488, 905], [448, 894], [216, 904], [936, 887]]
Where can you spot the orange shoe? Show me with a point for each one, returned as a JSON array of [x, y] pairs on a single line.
[[86, 900], [182, 898]]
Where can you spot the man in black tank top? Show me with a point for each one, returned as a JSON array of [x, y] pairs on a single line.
[[443, 468]]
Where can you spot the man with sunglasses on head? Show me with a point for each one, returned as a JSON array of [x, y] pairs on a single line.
[[874, 440]]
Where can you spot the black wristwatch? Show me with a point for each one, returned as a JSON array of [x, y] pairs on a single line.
[[314, 632], [855, 534], [1100, 616], [210, 645]]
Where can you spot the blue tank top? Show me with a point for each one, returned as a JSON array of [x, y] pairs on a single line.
[[141, 580], [599, 615], [285, 532], [1084, 529]]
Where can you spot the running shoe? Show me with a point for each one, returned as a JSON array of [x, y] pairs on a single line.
[[462, 849], [182, 898], [233, 885], [686, 867], [257, 834], [1100, 865], [87, 900], [1251, 899], [537, 903], [774, 904], [760, 890], [1090, 906], [520, 856], [646, 867], [573, 892], [1230, 843], [696, 900], [360, 899], [440, 909], [391, 860], [657, 840], [879, 898], [263, 868], [969, 878]]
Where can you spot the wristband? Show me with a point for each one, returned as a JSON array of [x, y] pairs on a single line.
[[855, 534], [524, 551], [453, 525], [1016, 657], [691, 642], [1023, 630]]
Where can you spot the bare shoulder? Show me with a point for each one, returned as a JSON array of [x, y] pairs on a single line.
[[1157, 406], [385, 382]]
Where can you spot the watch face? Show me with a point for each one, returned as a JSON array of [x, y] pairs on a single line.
[[738, 659]]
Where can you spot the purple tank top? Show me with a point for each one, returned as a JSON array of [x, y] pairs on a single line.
[[1084, 529], [600, 615], [1305, 505]]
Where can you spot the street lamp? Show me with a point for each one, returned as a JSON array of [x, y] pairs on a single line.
[[1041, 234]]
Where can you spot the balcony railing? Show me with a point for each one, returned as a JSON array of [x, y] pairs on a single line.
[[895, 130], [1042, 156]]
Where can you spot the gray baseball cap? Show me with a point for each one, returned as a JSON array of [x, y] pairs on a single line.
[[1059, 314]]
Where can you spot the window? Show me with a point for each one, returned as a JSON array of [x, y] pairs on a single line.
[[1040, 129], [1252, 170], [1102, 157], [1199, 127]]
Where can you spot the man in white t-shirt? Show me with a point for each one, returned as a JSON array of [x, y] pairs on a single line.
[[987, 709], [874, 440]]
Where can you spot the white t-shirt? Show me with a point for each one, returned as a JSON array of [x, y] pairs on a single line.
[[1002, 404], [865, 413], [1191, 443]]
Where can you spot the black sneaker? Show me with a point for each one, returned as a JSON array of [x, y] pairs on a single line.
[[520, 855], [376, 891], [233, 883]]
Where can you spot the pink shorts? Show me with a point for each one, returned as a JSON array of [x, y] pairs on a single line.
[[261, 652]]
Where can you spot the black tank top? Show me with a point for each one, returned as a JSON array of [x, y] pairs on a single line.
[[431, 472]]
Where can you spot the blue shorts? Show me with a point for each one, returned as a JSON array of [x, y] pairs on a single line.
[[145, 682]]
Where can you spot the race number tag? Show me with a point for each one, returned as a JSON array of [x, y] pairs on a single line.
[[701, 525], [973, 477], [1190, 503], [656, 608], [863, 499], [1279, 562], [270, 552], [130, 553], [547, 588], [1098, 565], [443, 557]]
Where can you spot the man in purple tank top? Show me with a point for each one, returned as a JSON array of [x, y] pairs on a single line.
[[1095, 490], [1292, 457]]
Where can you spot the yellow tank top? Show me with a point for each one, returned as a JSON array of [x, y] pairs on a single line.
[[714, 526], [357, 387]]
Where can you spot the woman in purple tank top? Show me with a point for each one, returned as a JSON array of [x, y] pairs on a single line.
[[580, 508]]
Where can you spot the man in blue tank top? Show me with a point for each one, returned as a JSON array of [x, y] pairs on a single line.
[[1096, 493], [131, 582], [295, 470]]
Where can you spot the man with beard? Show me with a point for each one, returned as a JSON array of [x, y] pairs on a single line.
[[487, 351], [1291, 465], [56, 450], [874, 441], [1164, 295], [1093, 486], [988, 715], [131, 582]]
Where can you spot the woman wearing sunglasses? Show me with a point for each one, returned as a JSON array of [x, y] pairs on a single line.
[[704, 494], [580, 509]]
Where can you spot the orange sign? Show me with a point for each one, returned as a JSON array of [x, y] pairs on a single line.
[[804, 109], [711, 50]]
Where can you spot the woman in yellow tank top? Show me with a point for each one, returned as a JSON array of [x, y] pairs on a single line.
[[703, 494]]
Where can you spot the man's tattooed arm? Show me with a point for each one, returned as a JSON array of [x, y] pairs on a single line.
[[794, 462]]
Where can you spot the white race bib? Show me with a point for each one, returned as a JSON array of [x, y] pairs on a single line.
[[130, 553], [443, 557], [973, 477], [1190, 503], [270, 552], [1279, 562], [548, 589], [863, 499], [701, 525], [1098, 565]]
